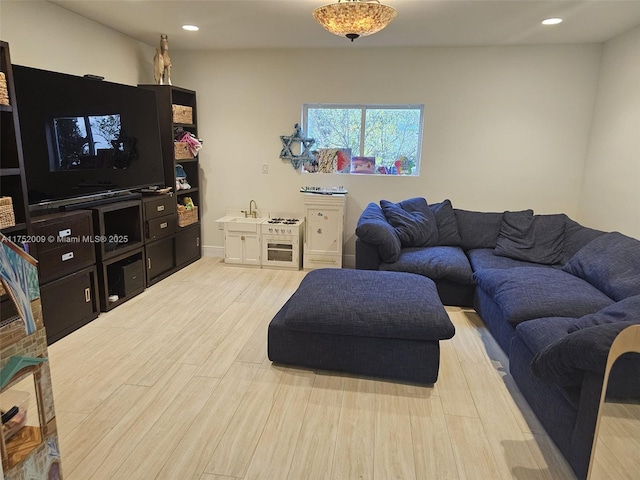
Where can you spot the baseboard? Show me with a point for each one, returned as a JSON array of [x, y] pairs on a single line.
[[212, 251], [348, 261]]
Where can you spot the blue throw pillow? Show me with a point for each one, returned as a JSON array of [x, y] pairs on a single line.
[[416, 227], [478, 229], [611, 263], [537, 239], [373, 228], [448, 234]]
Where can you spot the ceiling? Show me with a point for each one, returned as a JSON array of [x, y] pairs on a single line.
[[289, 24]]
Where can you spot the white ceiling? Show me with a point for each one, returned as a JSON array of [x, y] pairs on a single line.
[[289, 24]]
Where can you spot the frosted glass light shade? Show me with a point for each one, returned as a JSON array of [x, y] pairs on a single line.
[[354, 18]]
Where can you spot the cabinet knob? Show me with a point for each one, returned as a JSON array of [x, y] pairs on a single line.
[[160, 208], [319, 231], [87, 294]]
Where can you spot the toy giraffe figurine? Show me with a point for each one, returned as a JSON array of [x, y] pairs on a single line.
[[162, 62]]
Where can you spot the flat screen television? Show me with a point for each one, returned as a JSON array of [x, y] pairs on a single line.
[[84, 138]]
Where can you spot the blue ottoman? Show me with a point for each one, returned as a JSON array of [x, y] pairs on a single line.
[[366, 322]]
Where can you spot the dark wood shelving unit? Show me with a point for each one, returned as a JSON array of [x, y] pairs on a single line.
[[12, 177], [185, 244]]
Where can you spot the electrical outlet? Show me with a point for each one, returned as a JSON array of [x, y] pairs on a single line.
[[265, 168]]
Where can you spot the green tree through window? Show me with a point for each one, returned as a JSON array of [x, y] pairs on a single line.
[[390, 133]]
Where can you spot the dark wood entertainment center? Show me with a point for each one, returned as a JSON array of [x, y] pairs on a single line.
[[96, 255]]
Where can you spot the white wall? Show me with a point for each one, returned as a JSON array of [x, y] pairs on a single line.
[[43, 35], [505, 127], [610, 197]]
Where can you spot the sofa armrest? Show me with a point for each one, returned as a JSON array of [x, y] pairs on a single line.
[[367, 256]]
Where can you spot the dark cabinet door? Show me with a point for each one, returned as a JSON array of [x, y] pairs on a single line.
[[187, 245], [160, 258], [69, 303]]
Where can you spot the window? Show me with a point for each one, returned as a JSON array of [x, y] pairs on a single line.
[[382, 139]]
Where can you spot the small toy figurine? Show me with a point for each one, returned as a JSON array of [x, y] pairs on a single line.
[[162, 62]]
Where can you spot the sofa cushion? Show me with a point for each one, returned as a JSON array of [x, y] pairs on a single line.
[[530, 238], [447, 226], [525, 293], [434, 262], [368, 303], [611, 263], [481, 258], [542, 332], [478, 229], [623, 311], [575, 237], [373, 228], [564, 361], [415, 227]]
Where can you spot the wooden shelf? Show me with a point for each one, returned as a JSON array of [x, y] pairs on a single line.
[[184, 192], [8, 172], [187, 160], [6, 108], [15, 228]]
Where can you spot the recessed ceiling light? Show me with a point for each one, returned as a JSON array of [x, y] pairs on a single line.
[[551, 21], [190, 28]]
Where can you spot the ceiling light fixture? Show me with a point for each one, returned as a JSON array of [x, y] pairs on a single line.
[[551, 21], [354, 18], [190, 28]]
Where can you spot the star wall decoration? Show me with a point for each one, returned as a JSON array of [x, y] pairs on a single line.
[[288, 142]]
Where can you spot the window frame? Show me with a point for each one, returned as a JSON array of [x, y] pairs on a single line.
[[371, 106]]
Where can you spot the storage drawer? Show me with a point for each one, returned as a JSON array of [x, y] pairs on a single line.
[[61, 229], [159, 207], [65, 259], [161, 227], [318, 260], [69, 303]]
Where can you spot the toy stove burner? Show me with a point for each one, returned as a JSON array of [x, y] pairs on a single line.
[[275, 220], [290, 221]]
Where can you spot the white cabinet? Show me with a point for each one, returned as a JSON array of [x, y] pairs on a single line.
[[242, 241], [242, 247], [324, 230]]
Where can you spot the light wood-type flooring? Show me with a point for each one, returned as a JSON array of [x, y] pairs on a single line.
[[176, 384]]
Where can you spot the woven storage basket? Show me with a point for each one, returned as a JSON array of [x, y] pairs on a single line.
[[187, 217], [4, 94], [7, 217], [181, 151], [182, 114]]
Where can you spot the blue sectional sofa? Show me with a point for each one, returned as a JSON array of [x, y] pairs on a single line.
[[553, 293]]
